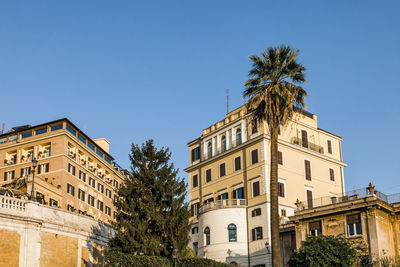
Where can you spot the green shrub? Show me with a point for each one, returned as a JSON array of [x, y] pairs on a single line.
[[115, 258], [324, 251]]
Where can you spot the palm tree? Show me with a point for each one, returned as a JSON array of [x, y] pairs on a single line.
[[273, 95]]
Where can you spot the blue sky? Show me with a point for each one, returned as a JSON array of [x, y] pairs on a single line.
[[130, 71]]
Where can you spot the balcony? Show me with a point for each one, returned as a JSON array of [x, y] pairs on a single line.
[[309, 145], [222, 204]]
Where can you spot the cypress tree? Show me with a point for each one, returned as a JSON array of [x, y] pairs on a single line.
[[152, 216]]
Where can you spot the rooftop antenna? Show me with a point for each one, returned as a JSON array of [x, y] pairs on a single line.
[[3, 128], [227, 101]]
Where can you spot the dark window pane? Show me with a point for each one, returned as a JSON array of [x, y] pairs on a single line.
[[71, 130], [41, 131], [82, 139], [26, 134]]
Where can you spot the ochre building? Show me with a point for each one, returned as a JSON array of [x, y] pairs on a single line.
[[229, 182], [73, 172]]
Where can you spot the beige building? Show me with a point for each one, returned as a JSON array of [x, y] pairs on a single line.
[[229, 182], [73, 172], [34, 235], [369, 219]]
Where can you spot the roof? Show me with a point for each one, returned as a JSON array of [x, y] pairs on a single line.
[[28, 127]]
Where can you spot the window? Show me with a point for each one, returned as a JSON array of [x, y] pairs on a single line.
[[99, 153], [208, 175], [40, 198], [55, 127], [3, 140], [82, 176], [108, 193], [100, 205], [91, 200], [195, 154], [237, 163], [254, 127], [304, 139], [107, 159], [82, 139], [108, 211], [70, 189], [238, 136], [223, 142], [92, 182], [315, 228], [81, 194], [100, 187], [12, 138], [238, 193], [25, 171], [257, 233], [116, 183], [254, 156], [232, 237], [307, 167], [222, 196], [70, 208], [41, 131], [281, 189], [90, 145], [209, 150], [209, 200], [332, 174], [195, 180], [354, 224], [256, 188], [280, 158], [195, 230], [9, 175], [71, 130], [222, 170], [43, 168], [194, 209], [283, 213], [71, 169], [207, 235], [329, 144], [309, 199], [115, 214], [256, 212], [196, 248], [26, 134], [53, 202]]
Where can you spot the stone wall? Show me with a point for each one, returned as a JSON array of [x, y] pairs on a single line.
[[35, 235]]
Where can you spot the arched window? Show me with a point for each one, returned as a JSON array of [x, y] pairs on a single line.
[[223, 141], [209, 150], [207, 234], [232, 233], [238, 136]]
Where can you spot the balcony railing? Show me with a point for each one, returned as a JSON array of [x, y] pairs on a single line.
[[348, 196], [220, 204], [309, 145]]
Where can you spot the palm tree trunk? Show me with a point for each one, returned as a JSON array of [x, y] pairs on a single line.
[[275, 244]]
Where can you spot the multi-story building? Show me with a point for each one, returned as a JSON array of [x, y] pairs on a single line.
[[73, 172], [229, 182]]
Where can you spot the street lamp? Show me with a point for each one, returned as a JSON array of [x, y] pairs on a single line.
[[34, 164], [267, 247], [174, 255]]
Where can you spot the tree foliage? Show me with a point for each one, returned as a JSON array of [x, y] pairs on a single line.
[[274, 94], [152, 217], [324, 251]]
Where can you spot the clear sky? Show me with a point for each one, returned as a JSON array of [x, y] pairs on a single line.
[[130, 70]]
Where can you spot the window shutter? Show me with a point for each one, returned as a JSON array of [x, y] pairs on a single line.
[[256, 189], [355, 218], [222, 170], [254, 156], [304, 139], [192, 155], [22, 172], [280, 158], [329, 146], [307, 166], [261, 233], [253, 234], [315, 225], [332, 174], [237, 164], [234, 194], [309, 199]]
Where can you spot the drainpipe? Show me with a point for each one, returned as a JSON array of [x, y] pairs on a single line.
[[247, 202], [368, 237]]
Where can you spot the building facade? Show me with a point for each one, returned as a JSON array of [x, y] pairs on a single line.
[[229, 182], [367, 218], [73, 172]]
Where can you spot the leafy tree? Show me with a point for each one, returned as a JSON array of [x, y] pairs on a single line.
[[274, 93], [152, 218], [324, 251]]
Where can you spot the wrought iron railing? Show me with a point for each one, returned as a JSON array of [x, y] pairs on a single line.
[[309, 145]]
